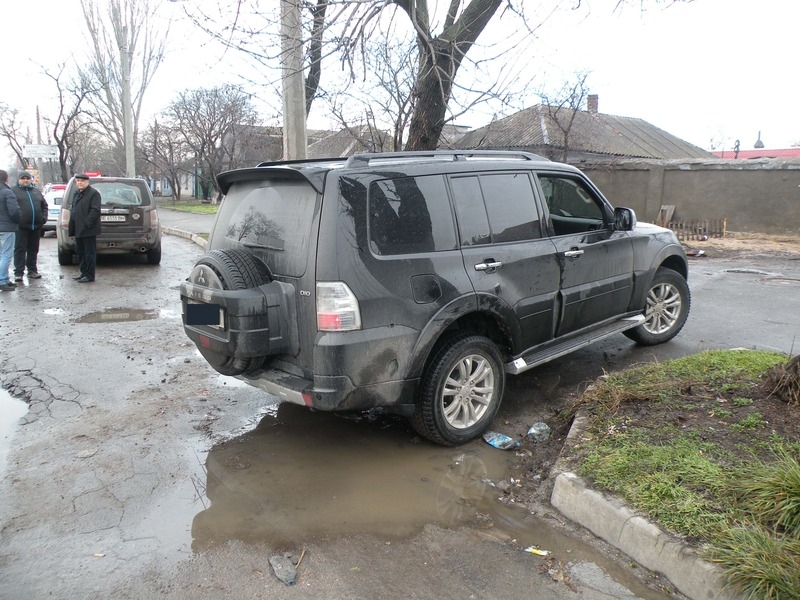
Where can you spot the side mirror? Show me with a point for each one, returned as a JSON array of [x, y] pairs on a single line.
[[624, 219]]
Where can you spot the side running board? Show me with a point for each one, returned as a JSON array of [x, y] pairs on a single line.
[[561, 347]]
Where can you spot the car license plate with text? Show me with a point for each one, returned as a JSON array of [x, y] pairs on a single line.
[[112, 218]]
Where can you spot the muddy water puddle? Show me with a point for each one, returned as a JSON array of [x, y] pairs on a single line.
[[11, 411], [301, 475]]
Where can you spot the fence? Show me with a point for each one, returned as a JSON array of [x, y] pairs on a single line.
[[699, 229], [691, 229]]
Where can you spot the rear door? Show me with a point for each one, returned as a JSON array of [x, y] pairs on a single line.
[[123, 210], [510, 262], [596, 262], [276, 221]]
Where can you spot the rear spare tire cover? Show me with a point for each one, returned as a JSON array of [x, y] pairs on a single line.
[[230, 270]]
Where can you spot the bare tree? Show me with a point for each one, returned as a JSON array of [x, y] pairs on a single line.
[[11, 130], [127, 49], [563, 107], [444, 34], [168, 154], [253, 30], [218, 125], [68, 120]]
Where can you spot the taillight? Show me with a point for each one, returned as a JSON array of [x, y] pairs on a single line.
[[337, 307], [153, 219]]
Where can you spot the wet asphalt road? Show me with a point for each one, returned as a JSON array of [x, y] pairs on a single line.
[[138, 472]]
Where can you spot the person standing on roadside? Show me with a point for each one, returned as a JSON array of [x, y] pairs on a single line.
[[33, 215], [9, 221], [84, 226]]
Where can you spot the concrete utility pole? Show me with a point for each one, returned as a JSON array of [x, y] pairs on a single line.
[[127, 109], [295, 139]]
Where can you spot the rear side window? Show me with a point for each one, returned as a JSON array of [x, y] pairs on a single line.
[[409, 215], [496, 208], [272, 220]]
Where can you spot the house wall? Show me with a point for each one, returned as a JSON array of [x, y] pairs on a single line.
[[760, 196]]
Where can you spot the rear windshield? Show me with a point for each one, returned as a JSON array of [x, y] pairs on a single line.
[[271, 219], [120, 194]]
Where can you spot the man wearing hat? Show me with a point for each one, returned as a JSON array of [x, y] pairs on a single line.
[[33, 214], [84, 225]]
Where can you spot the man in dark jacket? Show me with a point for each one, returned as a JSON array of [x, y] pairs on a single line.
[[84, 225], [33, 214], [9, 220]]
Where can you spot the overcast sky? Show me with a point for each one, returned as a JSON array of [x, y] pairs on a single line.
[[709, 69]]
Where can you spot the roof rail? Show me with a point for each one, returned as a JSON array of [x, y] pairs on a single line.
[[361, 160]]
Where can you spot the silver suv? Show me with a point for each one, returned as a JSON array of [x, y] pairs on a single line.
[[418, 281]]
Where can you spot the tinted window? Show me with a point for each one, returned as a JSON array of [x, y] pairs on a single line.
[[271, 220], [495, 208], [511, 207], [121, 194], [473, 224], [409, 215]]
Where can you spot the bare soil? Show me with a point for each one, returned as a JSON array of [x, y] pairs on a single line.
[[741, 245]]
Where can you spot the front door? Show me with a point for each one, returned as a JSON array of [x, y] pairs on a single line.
[[596, 261]]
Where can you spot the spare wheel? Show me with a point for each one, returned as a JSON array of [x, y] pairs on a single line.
[[230, 270]]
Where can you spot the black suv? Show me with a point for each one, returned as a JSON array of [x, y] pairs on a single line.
[[416, 281]]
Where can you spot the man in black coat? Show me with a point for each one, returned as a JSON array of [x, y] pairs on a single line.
[[33, 214], [84, 225]]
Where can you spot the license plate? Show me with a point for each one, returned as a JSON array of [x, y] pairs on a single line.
[[212, 315], [112, 218]]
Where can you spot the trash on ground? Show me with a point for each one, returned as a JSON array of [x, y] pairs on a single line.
[[539, 432], [695, 252], [537, 551], [284, 568], [500, 440]]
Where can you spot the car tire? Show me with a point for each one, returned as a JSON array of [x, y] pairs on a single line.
[[666, 309], [461, 390], [154, 255], [236, 270], [64, 258]]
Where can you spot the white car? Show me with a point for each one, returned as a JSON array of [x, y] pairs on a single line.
[[54, 198]]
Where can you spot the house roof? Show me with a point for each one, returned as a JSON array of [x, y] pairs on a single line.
[[591, 132], [347, 142], [760, 153]]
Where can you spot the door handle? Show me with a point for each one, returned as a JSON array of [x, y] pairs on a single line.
[[574, 253], [490, 265]]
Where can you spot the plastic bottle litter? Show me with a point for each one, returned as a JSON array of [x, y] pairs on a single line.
[[539, 432], [500, 440]]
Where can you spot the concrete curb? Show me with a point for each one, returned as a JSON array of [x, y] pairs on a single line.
[[611, 520], [200, 241]]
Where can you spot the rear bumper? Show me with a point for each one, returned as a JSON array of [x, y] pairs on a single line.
[[122, 243], [337, 393]]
